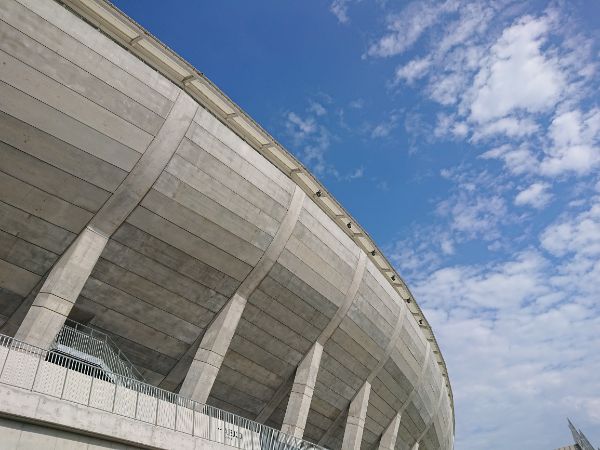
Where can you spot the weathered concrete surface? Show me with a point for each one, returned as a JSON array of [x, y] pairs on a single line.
[[73, 128], [22, 405], [355, 422], [388, 438], [217, 339]]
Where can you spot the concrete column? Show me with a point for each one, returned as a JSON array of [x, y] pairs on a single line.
[[216, 340], [59, 292], [355, 423], [65, 281], [388, 439], [416, 446], [302, 392]]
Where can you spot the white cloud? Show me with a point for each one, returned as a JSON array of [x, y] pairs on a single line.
[[519, 160], [578, 235], [406, 28], [300, 128], [413, 70], [536, 195], [516, 75], [507, 126], [576, 143], [317, 108], [339, 8]]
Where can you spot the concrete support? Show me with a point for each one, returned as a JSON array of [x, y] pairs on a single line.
[[68, 276], [61, 289], [217, 338], [355, 423], [302, 392], [296, 385], [389, 436], [416, 446]]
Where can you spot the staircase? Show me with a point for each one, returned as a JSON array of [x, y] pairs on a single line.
[[94, 347]]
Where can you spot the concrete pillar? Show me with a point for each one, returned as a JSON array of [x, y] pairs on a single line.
[[355, 423], [416, 446], [203, 371], [388, 439], [302, 392], [59, 292], [65, 281]]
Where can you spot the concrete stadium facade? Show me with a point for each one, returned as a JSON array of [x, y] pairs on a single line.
[[137, 198]]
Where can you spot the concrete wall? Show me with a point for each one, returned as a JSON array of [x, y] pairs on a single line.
[[26, 436], [77, 112]]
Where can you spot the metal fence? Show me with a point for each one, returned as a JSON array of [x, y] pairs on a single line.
[[89, 344], [61, 376]]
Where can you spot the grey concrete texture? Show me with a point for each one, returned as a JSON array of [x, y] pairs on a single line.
[[192, 213]]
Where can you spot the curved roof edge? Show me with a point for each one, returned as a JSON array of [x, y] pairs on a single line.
[[111, 21]]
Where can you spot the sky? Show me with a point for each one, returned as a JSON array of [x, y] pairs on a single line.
[[465, 137]]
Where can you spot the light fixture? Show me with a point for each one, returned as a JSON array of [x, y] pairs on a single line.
[[393, 277], [349, 225], [318, 193]]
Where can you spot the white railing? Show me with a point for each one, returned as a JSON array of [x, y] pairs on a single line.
[[97, 348], [67, 378]]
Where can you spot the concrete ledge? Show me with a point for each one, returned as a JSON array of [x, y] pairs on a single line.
[[24, 405]]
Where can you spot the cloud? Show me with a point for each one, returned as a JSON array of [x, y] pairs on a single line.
[[339, 8], [536, 195], [300, 128], [576, 143], [516, 75], [404, 29], [317, 108], [413, 70]]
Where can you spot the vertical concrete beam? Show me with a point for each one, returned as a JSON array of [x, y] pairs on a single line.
[[304, 382], [388, 439], [61, 289], [68, 276], [217, 338], [355, 423], [302, 392]]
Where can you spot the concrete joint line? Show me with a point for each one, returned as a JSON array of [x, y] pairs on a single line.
[[435, 413], [348, 300], [390, 347], [275, 248], [146, 171], [218, 335], [419, 380], [71, 271], [335, 321]]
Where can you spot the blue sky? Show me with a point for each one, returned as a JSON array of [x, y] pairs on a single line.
[[465, 136]]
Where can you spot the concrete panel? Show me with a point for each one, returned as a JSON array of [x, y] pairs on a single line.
[[25, 255], [81, 32], [185, 241], [41, 204], [33, 229], [60, 69], [16, 279], [231, 245], [133, 286], [132, 329], [45, 89], [217, 129], [59, 154], [61, 126], [273, 199], [50, 179], [212, 188], [163, 276], [186, 196], [136, 309], [171, 257]]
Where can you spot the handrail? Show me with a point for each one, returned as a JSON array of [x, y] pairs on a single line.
[[47, 372], [123, 30], [95, 343]]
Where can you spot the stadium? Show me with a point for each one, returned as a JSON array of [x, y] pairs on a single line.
[[172, 277]]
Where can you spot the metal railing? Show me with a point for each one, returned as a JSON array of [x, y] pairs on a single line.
[[89, 344], [58, 375]]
